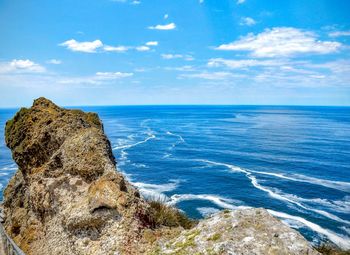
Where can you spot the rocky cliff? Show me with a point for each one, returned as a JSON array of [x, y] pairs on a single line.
[[68, 198]]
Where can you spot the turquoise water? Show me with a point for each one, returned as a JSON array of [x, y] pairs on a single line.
[[294, 161]]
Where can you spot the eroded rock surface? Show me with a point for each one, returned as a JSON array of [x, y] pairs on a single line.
[[244, 231], [67, 197]]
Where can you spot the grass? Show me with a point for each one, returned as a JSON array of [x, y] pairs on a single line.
[[329, 249], [169, 216]]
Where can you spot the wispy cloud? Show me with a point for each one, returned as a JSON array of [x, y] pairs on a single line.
[[240, 1], [339, 33], [89, 47], [247, 21], [21, 66], [92, 47], [209, 75], [152, 43], [282, 41], [174, 56], [115, 48], [54, 61], [242, 63], [98, 78], [169, 26], [143, 48]]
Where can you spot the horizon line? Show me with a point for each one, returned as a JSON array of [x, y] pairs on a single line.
[[220, 105]]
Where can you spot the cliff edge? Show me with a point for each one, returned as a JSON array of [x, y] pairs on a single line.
[[67, 197]]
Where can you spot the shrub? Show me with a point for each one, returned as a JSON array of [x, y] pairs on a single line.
[[169, 216]]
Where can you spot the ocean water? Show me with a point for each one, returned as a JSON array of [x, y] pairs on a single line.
[[295, 161]]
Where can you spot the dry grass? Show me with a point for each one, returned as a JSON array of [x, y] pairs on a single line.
[[169, 216]]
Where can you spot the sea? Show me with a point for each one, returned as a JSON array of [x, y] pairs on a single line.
[[292, 160]]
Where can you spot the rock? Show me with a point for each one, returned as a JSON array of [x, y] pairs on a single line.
[[243, 231], [67, 197]]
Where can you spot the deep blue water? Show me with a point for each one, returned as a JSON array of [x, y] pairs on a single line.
[[294, 161]]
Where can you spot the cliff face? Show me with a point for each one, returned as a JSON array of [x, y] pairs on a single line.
[[68, 198]]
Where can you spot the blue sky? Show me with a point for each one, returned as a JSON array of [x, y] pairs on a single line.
[[121, 52]]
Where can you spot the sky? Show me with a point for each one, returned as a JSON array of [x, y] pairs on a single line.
[[130, 52]]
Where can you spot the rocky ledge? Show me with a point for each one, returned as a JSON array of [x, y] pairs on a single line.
[[67, 197]]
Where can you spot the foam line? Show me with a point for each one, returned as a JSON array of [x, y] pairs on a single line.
[[219, 201], [275, 195], [342, 242], [128, 146], [155, 191], [338, 185], [284, 198], [179, 136]]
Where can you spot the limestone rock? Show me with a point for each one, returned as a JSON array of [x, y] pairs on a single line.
[[67, 197], [244, 231]]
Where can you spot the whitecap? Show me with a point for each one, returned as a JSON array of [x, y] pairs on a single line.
[[338, 185], [182, 140], [207, 211], [155, 191], [219, 201], [341, 241], [128, 146], [283, 197]]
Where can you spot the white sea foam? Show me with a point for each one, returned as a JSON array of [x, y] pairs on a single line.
[[347, 230], [277, 195], [219, 201], [291, 199], [178, 136], [128, 146], [155, 191], [207, 211], [338, 185], [342, 241]]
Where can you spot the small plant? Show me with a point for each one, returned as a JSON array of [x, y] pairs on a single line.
[[169, 216]]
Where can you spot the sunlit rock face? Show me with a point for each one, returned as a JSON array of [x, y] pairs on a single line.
[[243, 231], [67, 197]]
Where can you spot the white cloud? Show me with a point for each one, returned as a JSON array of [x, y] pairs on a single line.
[[143, 48], [166, 16], [339, 33], [209, 75], [54, 61], [174, 56], [98, 78], [135, 2], [169, 26], [115, 48], [152, 43], [201, 1], [21, 66], [112, 75], [89, 47], [242, 63], [247, 21], [240, 1], [281, 41]]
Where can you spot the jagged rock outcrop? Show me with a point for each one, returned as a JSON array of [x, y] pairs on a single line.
[[243, 231], [68, 198]]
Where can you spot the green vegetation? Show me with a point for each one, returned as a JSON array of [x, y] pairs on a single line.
[[214, 237], [165, 215]]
